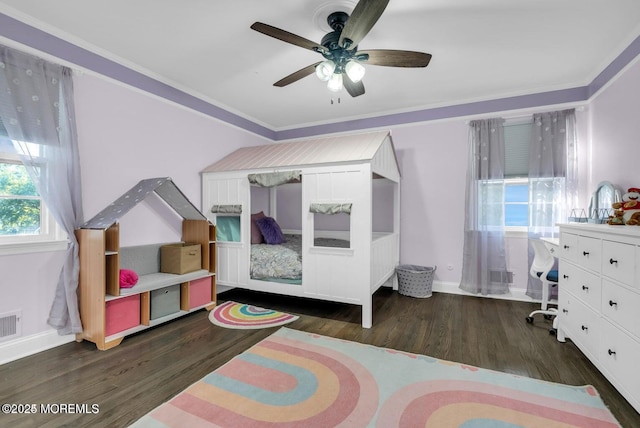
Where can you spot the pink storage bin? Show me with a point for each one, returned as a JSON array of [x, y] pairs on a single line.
[[122, 314], [200, 292]]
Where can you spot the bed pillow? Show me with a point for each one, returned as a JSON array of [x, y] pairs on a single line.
[[270, 230], [256, 235]]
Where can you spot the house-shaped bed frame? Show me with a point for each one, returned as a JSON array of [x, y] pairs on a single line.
[[333, 170]]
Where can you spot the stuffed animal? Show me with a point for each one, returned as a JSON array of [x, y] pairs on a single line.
[[631, 206], [618, 213]]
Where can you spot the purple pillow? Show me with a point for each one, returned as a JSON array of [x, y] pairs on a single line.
[[270, 230], [256, 235]]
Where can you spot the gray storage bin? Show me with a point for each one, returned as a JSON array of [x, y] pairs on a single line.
[[165, 301], [415, 281]]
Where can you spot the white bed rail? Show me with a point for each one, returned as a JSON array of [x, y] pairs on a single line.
[[384, 258]]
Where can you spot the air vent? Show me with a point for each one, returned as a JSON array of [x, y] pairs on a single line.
[[501, 277], [10, 325]]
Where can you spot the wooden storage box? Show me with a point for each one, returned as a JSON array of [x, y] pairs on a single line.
[[122, 314], [200, 292], [165, 301], [180, 258]]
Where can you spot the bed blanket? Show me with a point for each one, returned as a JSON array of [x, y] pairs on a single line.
[[284, 261]]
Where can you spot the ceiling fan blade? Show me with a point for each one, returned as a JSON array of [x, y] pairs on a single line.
[[286, 36], [355, 89], [295, 76], [362, 19], [394, 58]]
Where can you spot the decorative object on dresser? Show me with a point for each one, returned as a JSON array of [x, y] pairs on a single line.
[[628, 211], [111, 310], [603, 202], [599, 298]]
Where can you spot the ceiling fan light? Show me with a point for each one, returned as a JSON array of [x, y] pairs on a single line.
[[325, 69], [335, 83], [355, 71]]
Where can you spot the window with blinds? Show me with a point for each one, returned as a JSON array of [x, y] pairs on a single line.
[[508, 199]]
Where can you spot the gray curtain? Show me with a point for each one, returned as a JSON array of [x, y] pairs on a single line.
[[330, 208], [552, 178], [484, 260], [272, 179], [37, 111], [226, 209]]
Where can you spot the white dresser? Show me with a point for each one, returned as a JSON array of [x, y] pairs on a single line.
[[599, 300]]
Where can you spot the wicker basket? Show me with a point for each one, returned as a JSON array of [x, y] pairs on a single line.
[[415, 281]]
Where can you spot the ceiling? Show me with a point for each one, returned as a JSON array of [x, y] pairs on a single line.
[[482, 50]]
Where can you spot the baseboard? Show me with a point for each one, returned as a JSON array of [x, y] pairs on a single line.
[[29, 345], [517, 294]]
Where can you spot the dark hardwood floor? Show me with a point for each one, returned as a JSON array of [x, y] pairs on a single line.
[[149, 368]]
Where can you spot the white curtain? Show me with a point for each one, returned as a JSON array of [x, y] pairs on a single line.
[[484, 259], [552, 178], [36, 107]]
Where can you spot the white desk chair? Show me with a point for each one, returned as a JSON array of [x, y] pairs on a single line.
[[541, 268]]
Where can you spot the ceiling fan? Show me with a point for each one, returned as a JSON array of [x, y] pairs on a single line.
[[343, 61]]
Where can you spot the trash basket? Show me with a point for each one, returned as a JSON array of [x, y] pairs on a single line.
[[415, 281]]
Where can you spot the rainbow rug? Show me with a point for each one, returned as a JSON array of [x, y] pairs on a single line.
[[238, 315], [297, 379]]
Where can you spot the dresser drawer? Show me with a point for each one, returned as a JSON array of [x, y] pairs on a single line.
[[579, 323], [582, 284], [618, 261], [622, 306], [589, 253], [618, 355], [568, 246]]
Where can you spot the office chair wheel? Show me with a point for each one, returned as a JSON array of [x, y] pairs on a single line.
[[553, 332], [529, 320]]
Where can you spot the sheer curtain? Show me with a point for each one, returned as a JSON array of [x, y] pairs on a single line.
[[36, 107], [484, 259], [552, 178]]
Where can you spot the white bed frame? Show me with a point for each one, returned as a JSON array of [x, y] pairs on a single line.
[[345, 174]]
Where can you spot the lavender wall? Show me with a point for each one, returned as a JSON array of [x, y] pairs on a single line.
[[433, 162], [615, 131], [124, 135]]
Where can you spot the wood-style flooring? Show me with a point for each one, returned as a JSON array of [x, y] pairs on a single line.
[[151, 367]]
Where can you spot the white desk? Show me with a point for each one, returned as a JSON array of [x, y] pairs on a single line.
[[553, 244]]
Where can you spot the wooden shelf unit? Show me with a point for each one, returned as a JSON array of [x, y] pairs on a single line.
[[99, 281]]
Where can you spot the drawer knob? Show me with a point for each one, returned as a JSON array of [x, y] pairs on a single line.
[[612, 261], [584, 328], [612, 303], [585, 288], [585, 253], [566, 247], [610, 352], [565, 311], [565, 276]]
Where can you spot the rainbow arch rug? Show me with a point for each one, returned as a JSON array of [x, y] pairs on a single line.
[[242, 316], [296, 379]]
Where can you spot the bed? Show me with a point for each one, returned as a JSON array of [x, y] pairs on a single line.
[[352, 176], [283, 262]]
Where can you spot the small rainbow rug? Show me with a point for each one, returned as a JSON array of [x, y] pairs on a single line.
[[297, 379], [238, 315]]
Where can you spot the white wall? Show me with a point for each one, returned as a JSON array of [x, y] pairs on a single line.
[[124, 136]]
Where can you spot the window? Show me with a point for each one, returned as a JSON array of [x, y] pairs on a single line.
[[514, 198], [228, 228], [24, 218]]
